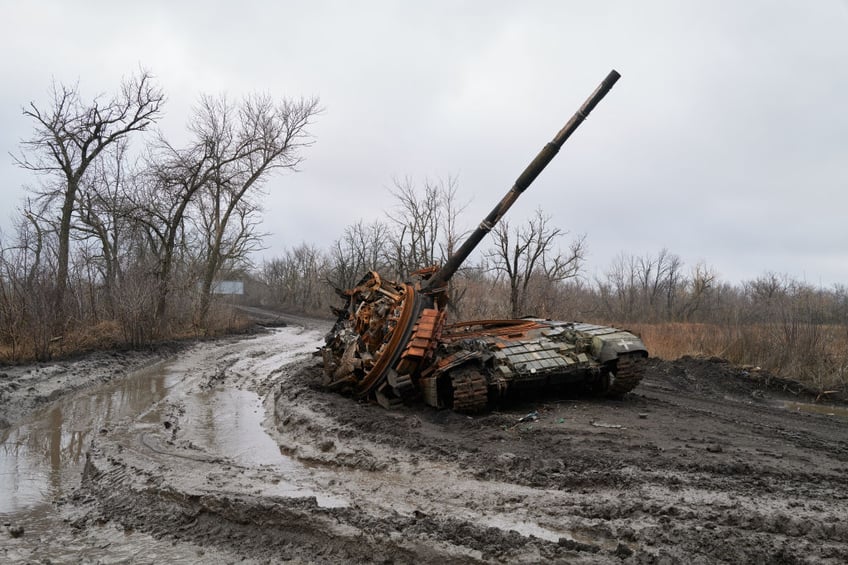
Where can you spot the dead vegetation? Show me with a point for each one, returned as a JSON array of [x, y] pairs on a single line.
[[125, 235], [788, 327], [813, 354]]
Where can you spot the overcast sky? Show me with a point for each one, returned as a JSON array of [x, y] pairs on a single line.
[[725, 141]]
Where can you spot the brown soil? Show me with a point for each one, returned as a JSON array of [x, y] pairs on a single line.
[[704, 462]]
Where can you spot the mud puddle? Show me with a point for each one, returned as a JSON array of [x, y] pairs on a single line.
[[225, 426], [822, 409], [41, 462], [170, 410], [41, 458], [229, 422]]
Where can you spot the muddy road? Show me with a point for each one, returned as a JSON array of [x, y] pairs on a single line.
[[229, 451]]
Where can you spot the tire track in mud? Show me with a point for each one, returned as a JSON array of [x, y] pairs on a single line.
[[763, 451], [670, 473], [150, 477], [719, 498], [146, 493]]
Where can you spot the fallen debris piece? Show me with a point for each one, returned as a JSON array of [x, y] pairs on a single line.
[[606, 425], [531, 417]]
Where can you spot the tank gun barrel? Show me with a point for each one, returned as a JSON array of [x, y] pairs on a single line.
[[548, 152]]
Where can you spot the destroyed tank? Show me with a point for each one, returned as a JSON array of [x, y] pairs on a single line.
[[391, 342]]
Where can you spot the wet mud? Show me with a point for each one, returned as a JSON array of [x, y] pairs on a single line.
[[232, 452]]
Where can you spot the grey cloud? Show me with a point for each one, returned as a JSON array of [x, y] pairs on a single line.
[[724, 141]]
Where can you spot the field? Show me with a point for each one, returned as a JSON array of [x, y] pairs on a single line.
[[814, 355]]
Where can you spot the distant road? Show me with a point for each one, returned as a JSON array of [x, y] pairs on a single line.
[[272, 318]]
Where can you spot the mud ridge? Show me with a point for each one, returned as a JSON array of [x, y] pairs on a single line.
[[244, 454]]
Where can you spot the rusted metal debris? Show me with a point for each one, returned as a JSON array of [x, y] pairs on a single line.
[[391, 342]]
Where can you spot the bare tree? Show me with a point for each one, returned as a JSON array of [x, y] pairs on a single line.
[[674, 280], [417, 220], [211, 182], [27, 287], [649, 288], [618, 289], [70, 135], [170, 184], [103, 212], [295, 279], [655, 276], [450, 238], [249, 142], [656, 280], [425, 224], [701, 283], [530, 251], [360, 249]]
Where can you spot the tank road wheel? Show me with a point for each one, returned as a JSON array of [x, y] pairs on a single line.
[[626, 375], [470, 391]]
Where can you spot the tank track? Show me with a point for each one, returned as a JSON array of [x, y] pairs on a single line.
[[628, 373], [470, 390]]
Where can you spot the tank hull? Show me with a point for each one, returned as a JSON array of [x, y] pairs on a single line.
[[530, 357], [391, 343]]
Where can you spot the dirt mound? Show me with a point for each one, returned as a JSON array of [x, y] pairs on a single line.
[[718, 377]]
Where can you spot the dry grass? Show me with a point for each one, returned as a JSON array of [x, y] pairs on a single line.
[[109, 335], [815, 354], [102, 335], [673, 340]]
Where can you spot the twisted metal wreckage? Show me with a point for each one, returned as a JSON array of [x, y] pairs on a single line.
[[391, 343]]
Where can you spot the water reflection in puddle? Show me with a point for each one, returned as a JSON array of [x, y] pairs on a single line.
[[522, 527], [44, 455], [229, 422], [42, 458]]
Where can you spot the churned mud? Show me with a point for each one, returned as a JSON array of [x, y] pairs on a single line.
[[230, 451]]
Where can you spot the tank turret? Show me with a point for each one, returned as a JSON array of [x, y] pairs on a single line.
[[390, 341]]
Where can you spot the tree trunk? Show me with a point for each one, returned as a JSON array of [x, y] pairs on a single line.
[[64, 253]]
